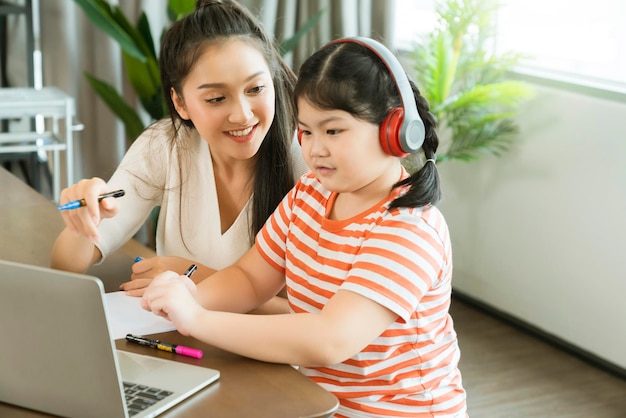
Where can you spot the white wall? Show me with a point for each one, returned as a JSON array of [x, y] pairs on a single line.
[[539, 233]]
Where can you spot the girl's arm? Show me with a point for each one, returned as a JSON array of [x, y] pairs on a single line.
[[145, 270], [242, 287], [276, 305], [347, 324]]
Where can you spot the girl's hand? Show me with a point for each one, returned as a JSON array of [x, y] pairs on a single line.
[[173, 297], [145, 270], [84, 221]]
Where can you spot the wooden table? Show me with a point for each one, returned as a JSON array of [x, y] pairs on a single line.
[[29, 224]]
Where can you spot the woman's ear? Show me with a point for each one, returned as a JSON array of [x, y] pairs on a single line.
[[179, 104]]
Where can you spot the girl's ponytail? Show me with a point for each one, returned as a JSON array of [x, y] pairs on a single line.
[[424, 185]]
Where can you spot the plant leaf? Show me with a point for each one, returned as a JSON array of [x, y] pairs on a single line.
[[143, 28], [470, 144], [495, 95], [144, 77], [142, 41], [466, 84], [129, 117], [104, 17], [179, 8]]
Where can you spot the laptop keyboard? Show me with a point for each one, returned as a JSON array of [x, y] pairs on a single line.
[[140, 397]]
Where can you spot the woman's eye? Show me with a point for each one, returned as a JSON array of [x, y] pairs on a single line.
[[215, 100], [256, 90], [333, 131]]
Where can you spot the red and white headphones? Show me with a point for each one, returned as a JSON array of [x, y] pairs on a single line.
[[402, 131]]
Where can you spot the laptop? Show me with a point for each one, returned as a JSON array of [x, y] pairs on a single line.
[[58, 357]]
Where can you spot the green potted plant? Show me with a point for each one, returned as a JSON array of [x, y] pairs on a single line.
[[140, 57], [467, 83]]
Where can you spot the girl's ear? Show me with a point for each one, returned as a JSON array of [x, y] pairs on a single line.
[[179, 104]]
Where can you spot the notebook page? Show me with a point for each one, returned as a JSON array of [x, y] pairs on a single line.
[[126, 316]]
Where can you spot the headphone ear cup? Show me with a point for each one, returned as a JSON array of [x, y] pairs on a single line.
[[389, 133], [300, 136]]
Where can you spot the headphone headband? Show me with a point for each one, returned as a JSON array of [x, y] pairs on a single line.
[[411, 131]]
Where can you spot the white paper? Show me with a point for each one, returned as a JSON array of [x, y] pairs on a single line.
[[126, 316]]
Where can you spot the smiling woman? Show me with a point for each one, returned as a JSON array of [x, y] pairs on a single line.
[[228, 96], [217, 167]]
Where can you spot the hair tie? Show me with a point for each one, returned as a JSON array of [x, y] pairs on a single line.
[[430, 159]]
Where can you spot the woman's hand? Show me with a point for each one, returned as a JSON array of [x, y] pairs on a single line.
[[173, 297], [84, 221], [145, 270]]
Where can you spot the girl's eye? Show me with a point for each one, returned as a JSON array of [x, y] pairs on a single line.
[[257, 89], [215, 100], [333, 131]]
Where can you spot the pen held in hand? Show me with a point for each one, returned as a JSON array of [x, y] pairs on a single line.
[[159, 345], [75, 204]]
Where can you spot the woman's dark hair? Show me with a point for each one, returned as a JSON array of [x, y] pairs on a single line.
[[348, 76], [215, 21]]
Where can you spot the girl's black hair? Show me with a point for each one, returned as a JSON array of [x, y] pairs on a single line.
[[348, 76], [212, 22]]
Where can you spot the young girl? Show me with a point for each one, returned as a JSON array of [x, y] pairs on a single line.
[[217, 169], [363, 251]]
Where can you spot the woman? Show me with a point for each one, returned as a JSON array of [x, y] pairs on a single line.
[[217, 168]]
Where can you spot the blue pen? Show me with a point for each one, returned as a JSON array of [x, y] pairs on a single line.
[[75, 204]]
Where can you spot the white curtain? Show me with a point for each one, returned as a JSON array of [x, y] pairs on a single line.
[[72, 45], [341, 18]]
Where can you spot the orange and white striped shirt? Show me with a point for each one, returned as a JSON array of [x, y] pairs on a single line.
[[401, 259]]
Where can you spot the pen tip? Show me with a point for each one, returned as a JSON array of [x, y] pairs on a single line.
[[69, 205]]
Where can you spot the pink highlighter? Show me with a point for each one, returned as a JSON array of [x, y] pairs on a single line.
[[159, 345], [187, 351]]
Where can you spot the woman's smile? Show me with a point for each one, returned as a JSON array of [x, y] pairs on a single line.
[[242, 135]]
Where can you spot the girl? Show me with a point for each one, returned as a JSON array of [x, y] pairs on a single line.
[[217, 169], [363, 251]]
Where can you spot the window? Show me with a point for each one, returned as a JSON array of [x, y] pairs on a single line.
[[413, 19], [580, 42]]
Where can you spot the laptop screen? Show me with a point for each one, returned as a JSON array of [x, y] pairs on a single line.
[[61, 358]]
